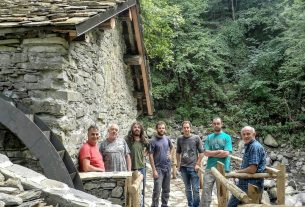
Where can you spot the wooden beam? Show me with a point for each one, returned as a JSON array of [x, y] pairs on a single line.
[[249, 176], [133, 60], [109, 24], [127, 17], [237, 192], [131, 37], [144, 71], [254, 193], [280, 184]]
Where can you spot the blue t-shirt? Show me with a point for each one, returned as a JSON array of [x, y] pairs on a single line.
[[160, 147], [221, 141], [254, 155]]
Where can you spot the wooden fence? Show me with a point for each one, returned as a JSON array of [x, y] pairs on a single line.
[[253, 197]]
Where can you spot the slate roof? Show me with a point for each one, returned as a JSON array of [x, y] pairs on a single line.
[[29, 13]]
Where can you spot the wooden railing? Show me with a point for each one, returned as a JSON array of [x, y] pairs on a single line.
[[134, 189], [252, 198]]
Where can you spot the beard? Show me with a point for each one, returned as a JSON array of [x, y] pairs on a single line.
[[136, 133]]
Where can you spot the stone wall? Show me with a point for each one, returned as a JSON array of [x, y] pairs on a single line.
[[110, 186], [70, 85]]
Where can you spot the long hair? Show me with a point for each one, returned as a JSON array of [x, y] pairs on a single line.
[[130, 136]]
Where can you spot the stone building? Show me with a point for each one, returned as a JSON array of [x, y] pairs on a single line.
[[64, 65]]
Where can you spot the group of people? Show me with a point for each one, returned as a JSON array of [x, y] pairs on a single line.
[[118, 154]]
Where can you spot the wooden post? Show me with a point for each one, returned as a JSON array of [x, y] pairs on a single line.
[[222, 194], [174, 163], [254, 193], [134, 189], [127, 193], [280, 184], [200, 174]]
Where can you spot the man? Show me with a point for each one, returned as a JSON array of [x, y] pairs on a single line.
[[159, 157], [254, 161], [138, 146], [189, 156], [218, 146], [115, 151], [90, 158]]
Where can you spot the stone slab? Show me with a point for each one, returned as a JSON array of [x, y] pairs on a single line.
[[98, 175]]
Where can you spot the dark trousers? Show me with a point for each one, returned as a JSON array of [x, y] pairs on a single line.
[[162, 182]]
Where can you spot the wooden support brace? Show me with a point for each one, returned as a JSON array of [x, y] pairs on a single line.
[[280, 184], [174, 163], [254, 193], [109, 24], [127, 17]]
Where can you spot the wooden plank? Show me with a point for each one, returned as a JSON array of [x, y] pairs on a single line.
[[280, 184], [200, 174], [254, 193], [221, 189], [249, 176], [143, 66], [131, 37]]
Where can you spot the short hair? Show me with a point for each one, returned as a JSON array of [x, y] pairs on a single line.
[[160, 123], [186, 122], [113, 124], [215, 118], [248, 127], [93, 126]]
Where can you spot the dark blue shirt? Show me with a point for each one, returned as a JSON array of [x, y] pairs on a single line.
[[160, 148], [254, 155]]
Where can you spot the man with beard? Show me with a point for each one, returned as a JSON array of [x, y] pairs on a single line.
[[90, 159], [254, 161], [159, 157], [218, 146], [189, 157], [115, 151], [138, 146]]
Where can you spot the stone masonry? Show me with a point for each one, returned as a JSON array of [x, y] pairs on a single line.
[[69, 84]]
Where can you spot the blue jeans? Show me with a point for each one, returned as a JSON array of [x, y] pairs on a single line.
[[191, 182], [163, 181], [143, 172]]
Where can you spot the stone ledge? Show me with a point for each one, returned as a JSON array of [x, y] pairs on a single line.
[[97, 175]]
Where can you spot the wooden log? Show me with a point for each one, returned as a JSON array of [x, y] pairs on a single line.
[[268, 169], [109, 24], [280, 184], [238, 193], [137, 179], [174, 163], [254, 193], [222, 193], [200, 174], [127, 194], [249, 176], [133, 60]]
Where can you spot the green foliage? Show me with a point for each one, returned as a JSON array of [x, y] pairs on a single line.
[[248, 70]]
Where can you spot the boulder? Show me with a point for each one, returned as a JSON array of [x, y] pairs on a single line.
[[273, 156], [150, 132], [270, 141]]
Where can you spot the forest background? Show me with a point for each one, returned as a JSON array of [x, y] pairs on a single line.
[[242, 60]]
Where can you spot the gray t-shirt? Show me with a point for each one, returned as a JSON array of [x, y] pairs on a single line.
[[114, 154], [189, 148], [160, 148]]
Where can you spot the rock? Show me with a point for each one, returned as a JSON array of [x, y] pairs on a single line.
[[303, 169], [10, 200], [273, 156], [272, 193], [265, 197], [279, 157], [268, 161], [292, 201], [285, 161], [2, 178], [289, 190], [269, 183], [29, 195], [293, 184], [241, 145], [301, 198], [298, 164], [16, 183], [150, 132], [9, 190], [288, 155], [270, 141], [275, 164], [117, 192], [2, 204]]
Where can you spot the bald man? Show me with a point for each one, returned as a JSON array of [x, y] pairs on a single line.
[[115, 151], [254, 161]]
